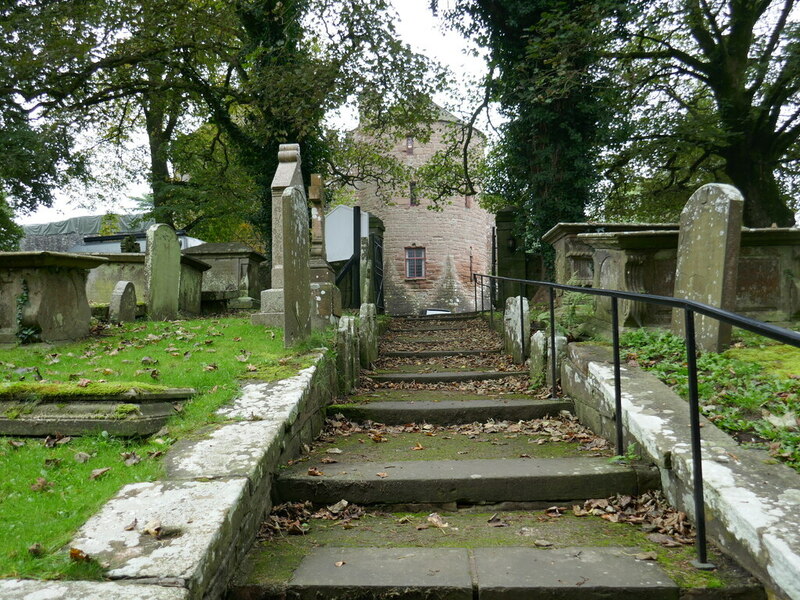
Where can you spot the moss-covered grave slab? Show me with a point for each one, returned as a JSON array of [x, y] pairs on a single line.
[[30, 409]]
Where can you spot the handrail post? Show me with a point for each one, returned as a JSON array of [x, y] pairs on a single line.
[[617, 378], [697, 457], [475, 288], [553, 369], [490, 317], [522, 318]]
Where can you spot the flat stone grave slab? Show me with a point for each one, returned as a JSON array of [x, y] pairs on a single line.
[[441, 573], [569, 573], [125, 414]]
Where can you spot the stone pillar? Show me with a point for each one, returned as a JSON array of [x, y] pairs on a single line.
[[287, 174], [326, 299], [347, 354], [708, 253], [510, 255], [368, 335], [162, 266]]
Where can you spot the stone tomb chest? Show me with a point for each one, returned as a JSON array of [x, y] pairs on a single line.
[[43, 295], [768, 283], [234, 270]]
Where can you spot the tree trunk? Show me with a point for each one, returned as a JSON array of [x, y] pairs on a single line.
[[754, 175]]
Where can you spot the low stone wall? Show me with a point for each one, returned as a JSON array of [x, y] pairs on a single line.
[[209, 505], [753, 516], [130, 267]]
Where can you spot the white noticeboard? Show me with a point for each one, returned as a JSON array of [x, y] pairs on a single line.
[[339, 232]]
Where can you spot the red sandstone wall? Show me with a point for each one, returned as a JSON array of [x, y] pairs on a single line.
[[449, 238]]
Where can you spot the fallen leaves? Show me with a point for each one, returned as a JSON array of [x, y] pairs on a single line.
[[42, 485], [664, 524], [78, 555], [97, 473], [315, 472], [382, 475]]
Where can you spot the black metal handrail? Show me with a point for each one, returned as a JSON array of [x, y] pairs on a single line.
[[689, 307]]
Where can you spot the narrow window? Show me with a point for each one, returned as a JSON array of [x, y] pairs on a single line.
[[409, 145], [415, 263], [412, 193]]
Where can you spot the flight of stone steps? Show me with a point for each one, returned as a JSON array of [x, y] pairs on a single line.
[[446, 477]]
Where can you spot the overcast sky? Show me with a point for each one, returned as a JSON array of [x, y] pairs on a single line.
[[416, 26]]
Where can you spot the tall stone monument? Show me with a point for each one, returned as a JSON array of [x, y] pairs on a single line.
[[288, 303], [286, 175], [708, 255], [326, 299], [162, 267]]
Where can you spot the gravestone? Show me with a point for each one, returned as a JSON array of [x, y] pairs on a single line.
[[287, 174], [516, 328], [326, 299], [122, 308], [368, 335], [296, 286], [162, 272], [708, 254]]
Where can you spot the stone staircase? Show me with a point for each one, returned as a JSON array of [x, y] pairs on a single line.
[[444, 477]]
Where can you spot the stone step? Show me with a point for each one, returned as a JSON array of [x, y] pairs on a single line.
[[487, 573], [462, 481], [450, 411], [437, 353], [479, 555], [465, 316], [443, 377]]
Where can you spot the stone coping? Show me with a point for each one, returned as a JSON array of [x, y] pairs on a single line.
[[225, 250], [69, 260], [752, 505], [564, 229], [667, 239], [138, 257], [208, 506]]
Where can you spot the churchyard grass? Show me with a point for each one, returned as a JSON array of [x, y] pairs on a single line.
[[49, 489], [752, 390]]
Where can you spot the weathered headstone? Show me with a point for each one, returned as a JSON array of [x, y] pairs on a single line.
[[287, 174], [368, 335], [296, 286], [326, 299], [708, 253], [163, 272], [347, 354], [122, 308], [517, 327], [540, 367]]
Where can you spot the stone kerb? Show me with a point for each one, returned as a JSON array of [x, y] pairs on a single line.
[[209, 506], [162, 272], [368, 335], [752, 510], [708, 255], [515, 332], [122, 307], [297, 286]]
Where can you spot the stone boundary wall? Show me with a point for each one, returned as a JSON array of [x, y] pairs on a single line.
[[209, 504], [752, 505]]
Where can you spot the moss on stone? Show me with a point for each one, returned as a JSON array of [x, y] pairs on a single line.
[[27, 391], [781, 359], [272, 563]]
